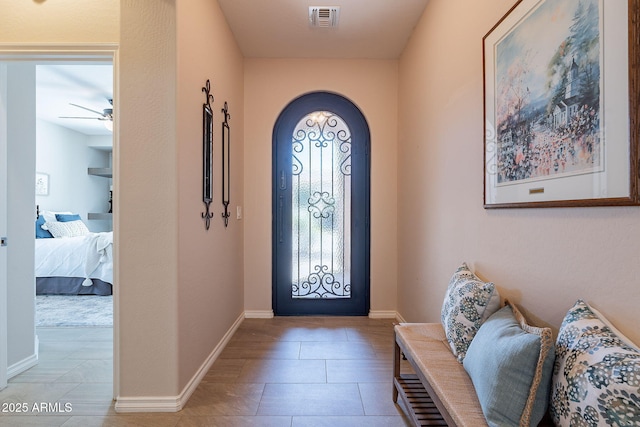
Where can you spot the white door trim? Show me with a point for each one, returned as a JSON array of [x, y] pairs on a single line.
[[3, 227], [71, 52]]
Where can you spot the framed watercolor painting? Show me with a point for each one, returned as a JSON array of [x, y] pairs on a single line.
[[561, 82]]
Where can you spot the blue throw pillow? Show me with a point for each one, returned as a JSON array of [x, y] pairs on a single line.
[[511, 365], [40, 233], [68, 218]]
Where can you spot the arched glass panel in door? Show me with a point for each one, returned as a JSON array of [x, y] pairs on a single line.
[[321, 207]]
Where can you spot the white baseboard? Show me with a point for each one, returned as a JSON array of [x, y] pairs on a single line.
[[176, 403], [23, 365], [149, 404], [386, 314], [258, 314], [26, 363], [383, 314]]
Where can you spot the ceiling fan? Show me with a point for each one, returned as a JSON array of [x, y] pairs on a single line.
[[106, 115]]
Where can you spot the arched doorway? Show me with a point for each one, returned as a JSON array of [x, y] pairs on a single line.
[[321, 207]]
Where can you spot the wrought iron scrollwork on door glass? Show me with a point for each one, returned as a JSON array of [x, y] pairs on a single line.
[[321, 206]]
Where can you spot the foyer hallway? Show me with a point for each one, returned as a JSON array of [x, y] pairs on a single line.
[[285, 371]]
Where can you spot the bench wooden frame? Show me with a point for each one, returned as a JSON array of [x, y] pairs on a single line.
[[423, 404], [439, 392], [439, 381]]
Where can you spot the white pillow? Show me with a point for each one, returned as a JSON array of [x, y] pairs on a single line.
[[67, 229], [50, 216]]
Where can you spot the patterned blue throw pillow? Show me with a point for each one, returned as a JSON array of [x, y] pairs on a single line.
[[467, 304], [596, 377]]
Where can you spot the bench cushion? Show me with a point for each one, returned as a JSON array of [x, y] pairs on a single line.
[[428, 345]]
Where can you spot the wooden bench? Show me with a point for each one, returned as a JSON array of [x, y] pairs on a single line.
[[440, 392]]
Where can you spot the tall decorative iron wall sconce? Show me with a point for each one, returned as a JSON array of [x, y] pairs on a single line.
[[207, 154], [226, 164]]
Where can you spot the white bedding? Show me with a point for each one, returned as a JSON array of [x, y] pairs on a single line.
[[89, 256]]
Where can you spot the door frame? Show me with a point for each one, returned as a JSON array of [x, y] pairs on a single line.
[[293, 112], [3, 226], [43, 53]]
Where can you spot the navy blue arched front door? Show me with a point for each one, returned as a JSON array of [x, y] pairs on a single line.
[[321, 207]]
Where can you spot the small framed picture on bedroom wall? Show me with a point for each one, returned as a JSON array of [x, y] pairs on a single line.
[[42, 184]]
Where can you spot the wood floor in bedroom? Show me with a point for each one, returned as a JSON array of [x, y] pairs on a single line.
[[285, 371]]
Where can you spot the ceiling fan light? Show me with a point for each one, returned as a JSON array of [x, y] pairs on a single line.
[[109, 125]]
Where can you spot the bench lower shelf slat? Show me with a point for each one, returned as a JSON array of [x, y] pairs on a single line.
[[416, 399]]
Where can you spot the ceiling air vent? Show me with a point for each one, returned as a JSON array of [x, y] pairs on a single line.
[[324, 16]]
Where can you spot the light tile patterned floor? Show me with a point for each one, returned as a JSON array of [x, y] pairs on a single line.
[[280, 372]]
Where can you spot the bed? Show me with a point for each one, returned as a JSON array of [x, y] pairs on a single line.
[[70, 260]]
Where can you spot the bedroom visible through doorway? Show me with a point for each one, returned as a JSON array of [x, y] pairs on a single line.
[[56, 126], [74, 142]]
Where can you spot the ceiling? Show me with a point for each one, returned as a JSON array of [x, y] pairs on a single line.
[[377, 29], [88, 85]]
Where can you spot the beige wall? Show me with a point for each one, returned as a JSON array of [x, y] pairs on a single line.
[[269, 86], [542, 259], [181, 285], [210, 293], [146, 200], [59, 21]]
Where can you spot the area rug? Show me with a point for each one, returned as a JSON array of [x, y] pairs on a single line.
[[76, 310]]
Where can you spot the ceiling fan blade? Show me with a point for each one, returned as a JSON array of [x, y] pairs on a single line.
[[88, 109]]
